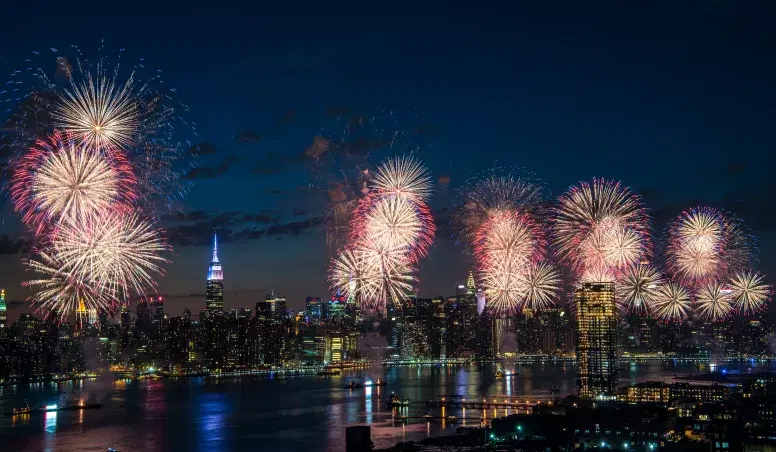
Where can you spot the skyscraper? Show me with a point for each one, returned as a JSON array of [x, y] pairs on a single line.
[[596, 340], [214, 300], [3, 313]]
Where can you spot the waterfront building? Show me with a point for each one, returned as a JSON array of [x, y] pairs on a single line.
[[214, 298], [335, 347], [596, 340], [315, 311], [313, 345]]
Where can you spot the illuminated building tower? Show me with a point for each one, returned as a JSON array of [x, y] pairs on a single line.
[[80, 313], [214, 300], [596, 340], [3, 313], [471, 289]]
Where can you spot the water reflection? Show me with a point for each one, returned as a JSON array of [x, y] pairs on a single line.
[[307, 414], [212, 415], [51, 421]]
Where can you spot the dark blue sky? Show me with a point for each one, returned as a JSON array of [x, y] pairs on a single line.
[[676, 99]]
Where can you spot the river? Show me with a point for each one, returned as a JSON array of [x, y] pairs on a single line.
[[272, 414]]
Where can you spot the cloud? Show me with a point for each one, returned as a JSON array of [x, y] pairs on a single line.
[[294, 228], [260, 218], [205, 172], [318, 148], [197, 227], [194, 215]]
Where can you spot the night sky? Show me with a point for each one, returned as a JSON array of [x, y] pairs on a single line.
[[676, 99]]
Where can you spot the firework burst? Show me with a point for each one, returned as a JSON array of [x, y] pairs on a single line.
[[396, 223], [115, 252], [352, 275], [492, 195], [507, 246], [714, 302], [58, 293], [672, 303], [105, 110], [59, 180], [99, 113], [750, 293], [705, 245], [541, 284], [391, 229], [601, 223], [638, 288], [403, 177]]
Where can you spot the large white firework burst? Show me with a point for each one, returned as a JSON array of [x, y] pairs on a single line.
[[353, 275], [541, 284], [59, 180], [99, 112], [672, 303], [404, 177], [714, 302], [506, 247], [638, 287], [395, 223], [750, 293], [603, 220], [58, 293], [116, 252]]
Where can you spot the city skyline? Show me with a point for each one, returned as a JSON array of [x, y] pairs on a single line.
[[269, 147]]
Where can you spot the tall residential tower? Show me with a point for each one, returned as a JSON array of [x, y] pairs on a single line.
[[596, 340], [214, 300]]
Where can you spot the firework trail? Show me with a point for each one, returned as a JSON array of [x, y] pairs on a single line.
[[672, 303], [714, 302], [750, 294], [59, 180]]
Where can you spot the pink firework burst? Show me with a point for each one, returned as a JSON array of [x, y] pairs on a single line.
[[60, 181]]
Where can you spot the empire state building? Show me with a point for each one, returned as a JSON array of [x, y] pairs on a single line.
[[214, 300]]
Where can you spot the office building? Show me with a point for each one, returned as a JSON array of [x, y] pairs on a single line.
[[596, 340]]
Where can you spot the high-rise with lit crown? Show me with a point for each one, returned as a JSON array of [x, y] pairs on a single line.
[[3, 312], [596, 340], [214, 300]]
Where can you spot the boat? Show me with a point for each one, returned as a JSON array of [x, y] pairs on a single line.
[[511, 374], [366, 384], [49, 408], [394, 401], [328, 373], [499, 374]]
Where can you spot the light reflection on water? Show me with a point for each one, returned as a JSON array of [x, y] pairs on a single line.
[[308, 414]]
